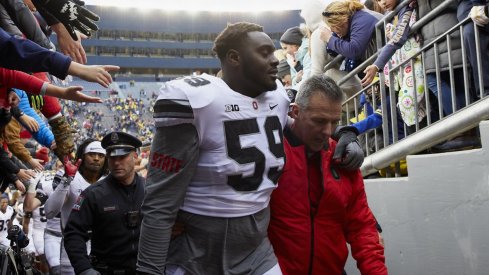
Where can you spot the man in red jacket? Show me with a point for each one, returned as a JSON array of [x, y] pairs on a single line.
[[318, 208]]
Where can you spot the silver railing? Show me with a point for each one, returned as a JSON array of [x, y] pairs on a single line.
[[392, 150]]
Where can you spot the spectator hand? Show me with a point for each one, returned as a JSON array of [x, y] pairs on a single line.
[[478, 15], [29, 122], [95, 73], [370, 73], [70, 168], [72, 15], [69, 46], [20, 186], [325, 33], [25, 175], [291, 60], [348, 153], [74, 93], [36, 164]]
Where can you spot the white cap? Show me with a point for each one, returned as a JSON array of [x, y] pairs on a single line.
[[94, 147]]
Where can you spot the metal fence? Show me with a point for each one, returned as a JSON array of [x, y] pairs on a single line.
[[384, 147]]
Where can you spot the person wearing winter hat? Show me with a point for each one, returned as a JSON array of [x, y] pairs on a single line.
[[296, 46], [284, 73], [292, 39]]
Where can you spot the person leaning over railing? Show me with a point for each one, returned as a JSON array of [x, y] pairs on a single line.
[[400, 48], [351, 31]]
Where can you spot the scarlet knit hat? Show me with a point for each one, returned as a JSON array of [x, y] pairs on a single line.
[[43, 154]]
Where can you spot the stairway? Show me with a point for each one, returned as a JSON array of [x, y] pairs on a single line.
[[436, 220]]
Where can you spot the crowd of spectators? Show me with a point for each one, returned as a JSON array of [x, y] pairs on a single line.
[[330, 28]]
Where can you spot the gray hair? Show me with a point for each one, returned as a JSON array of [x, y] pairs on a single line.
[[318, 84]]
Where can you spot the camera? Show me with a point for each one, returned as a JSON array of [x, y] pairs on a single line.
[[14, 260], [16, 235]]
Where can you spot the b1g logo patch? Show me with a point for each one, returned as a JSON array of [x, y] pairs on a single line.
[[78, 203]]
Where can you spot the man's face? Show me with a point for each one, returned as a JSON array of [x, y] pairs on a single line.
[[315, 124], [258, 63], [122, 167], [93, 162], [3, 205]]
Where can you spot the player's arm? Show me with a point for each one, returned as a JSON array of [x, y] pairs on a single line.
[[54, 203], [76, 232], [166, 186]]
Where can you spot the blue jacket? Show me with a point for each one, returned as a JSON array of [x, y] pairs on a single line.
[[44, 136], [27, 56]]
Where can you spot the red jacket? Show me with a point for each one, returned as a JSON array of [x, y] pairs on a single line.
[[19, 80], [308, 242]]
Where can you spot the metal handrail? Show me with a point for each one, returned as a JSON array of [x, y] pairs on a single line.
[[434, 133], [459, 122]]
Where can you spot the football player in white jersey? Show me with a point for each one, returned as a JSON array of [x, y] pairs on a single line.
[[215, 159], [7, 219], [92, 168], [46, 234]]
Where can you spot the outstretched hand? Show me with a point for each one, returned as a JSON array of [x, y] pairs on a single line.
[[74, 93], [72, 15], [70, 167], [94, 73], [370, 73]]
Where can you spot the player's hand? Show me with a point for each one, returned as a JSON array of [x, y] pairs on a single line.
[[70, 168], [348, 153]]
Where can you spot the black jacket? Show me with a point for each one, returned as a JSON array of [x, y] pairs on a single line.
[[103, 209]]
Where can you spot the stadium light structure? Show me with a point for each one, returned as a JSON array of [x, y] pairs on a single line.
[[202, 5]]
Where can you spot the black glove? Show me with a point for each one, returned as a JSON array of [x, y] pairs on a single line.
[[348, 153], [71, 14]]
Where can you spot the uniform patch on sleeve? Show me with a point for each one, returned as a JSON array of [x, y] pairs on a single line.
[[78, 203]]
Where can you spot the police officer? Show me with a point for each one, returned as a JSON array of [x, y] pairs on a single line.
[[110, 209]]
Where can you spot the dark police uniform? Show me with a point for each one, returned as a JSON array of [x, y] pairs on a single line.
[[111, 211]]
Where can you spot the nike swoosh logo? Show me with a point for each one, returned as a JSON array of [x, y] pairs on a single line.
[[272, 106]]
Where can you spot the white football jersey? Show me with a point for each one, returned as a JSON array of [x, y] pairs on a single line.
[[240, 138], [4, 220], [46, 186], [77, 185]]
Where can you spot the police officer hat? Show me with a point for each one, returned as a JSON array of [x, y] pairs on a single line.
[[120, 144]]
